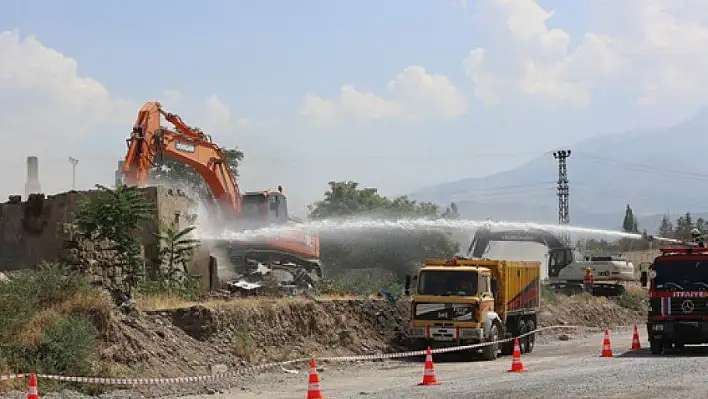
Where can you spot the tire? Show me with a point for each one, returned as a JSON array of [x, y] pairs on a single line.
[[521, 330], [657, 346], [530, 339], [490, 351]]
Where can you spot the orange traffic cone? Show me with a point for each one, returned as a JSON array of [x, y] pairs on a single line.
[[635, 340], [517, 366], [429, 377], [313, 385], [32, 392], [606, 347]]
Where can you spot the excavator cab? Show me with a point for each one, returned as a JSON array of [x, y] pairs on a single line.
[[264, 208], [558, 258]]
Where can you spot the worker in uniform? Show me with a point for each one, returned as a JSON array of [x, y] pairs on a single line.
[[588, 280], [697, 238]]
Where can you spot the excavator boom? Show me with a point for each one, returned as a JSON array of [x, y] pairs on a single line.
[[149, 140]]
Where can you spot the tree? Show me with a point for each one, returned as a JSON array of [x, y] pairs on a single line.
[[684, 225], [394, 250], [176, 251], [168, 170], [630, 224], [666, 228], [116, 215]]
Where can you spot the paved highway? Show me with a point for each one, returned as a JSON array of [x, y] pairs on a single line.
[[558, 369]]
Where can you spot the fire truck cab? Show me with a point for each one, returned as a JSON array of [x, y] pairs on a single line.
[[678, 298]]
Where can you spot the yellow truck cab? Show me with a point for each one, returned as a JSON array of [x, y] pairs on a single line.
[[466, 301]]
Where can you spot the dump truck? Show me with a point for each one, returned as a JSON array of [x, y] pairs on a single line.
[[463, 301]]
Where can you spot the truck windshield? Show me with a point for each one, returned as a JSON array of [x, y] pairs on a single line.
[[447, 283], [680, 275]]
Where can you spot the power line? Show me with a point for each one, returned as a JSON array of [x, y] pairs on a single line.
[[644, 168]]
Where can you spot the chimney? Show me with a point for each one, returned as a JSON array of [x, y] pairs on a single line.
[[119, 179], [32, 185]]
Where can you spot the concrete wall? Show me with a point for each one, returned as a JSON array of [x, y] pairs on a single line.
[[39, 228]]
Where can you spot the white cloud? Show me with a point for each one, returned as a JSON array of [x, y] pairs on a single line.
[[656, 48], [413, 94], [49, 110]]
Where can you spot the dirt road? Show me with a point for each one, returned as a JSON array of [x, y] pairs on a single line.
[[559, 369]]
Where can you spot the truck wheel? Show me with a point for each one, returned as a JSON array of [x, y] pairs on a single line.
[[657, 346], [521, 331], [490, 351], [507, 348], [531, 338]]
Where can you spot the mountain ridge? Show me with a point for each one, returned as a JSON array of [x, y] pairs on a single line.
[[656, 171]]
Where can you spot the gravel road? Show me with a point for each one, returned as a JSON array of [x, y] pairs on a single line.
[[560, 369]]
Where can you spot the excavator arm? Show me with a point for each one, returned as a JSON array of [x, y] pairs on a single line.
[[149, 140], [483, 236]]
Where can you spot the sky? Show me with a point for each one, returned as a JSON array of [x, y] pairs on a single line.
[[396, 94]]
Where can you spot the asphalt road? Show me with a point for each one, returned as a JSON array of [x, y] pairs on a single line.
[[558, 369]]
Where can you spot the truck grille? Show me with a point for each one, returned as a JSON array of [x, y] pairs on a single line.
[[679, 306], [445, 311]]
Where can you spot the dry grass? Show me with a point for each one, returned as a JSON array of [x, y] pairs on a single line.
[[82, 302], [169, 302], [31, 335]]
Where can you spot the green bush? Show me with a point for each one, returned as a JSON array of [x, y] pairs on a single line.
[[633, 299], [45, 325], [189, 288], [362, 282], [548, 296]]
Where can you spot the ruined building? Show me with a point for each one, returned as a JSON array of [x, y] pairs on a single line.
[[40, 229]]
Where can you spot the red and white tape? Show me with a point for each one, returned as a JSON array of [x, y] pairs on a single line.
[[261, 367]]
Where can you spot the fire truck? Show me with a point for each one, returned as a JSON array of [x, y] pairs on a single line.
[[678, 299]]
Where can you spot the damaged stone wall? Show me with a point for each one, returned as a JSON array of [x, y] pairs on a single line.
[[40, 229]]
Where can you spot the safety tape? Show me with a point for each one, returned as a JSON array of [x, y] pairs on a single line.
[[261, 367]]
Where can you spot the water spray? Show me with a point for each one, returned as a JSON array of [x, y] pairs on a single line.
[[353, 226]]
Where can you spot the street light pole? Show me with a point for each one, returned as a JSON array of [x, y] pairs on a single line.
[[73, 162]]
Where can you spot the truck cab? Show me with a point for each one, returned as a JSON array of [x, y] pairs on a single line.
[[678, 298], [461, 302]]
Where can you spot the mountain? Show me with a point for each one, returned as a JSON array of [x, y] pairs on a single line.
[[655, 171]]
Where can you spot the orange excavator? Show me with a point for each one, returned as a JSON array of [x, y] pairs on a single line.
[[294, 252]]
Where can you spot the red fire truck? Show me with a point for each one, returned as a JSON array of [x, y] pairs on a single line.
[[678, 298]]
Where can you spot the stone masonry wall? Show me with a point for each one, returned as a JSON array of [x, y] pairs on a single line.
[[41, 229]]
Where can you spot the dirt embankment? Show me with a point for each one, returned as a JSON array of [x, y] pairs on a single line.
[[190, 341]]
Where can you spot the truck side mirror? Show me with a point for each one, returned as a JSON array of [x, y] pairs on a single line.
[[644, 279], [494, 285], [407, 286]]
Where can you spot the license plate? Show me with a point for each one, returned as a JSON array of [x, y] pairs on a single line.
[[443, 334]]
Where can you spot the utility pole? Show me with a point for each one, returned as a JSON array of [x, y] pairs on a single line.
[[73, 162], [563, 190]]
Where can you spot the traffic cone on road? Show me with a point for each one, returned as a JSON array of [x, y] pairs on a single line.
[[429, 377], [313, 385], [606, 347], [32, 392], [635, 340], [516, 365]]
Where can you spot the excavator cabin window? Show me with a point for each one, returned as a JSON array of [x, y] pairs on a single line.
[[277, 209]]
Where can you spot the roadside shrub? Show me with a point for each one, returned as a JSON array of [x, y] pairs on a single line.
[[635, 299], [47, 318]]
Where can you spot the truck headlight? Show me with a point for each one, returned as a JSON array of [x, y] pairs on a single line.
[[657, 327], [467, 333]]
